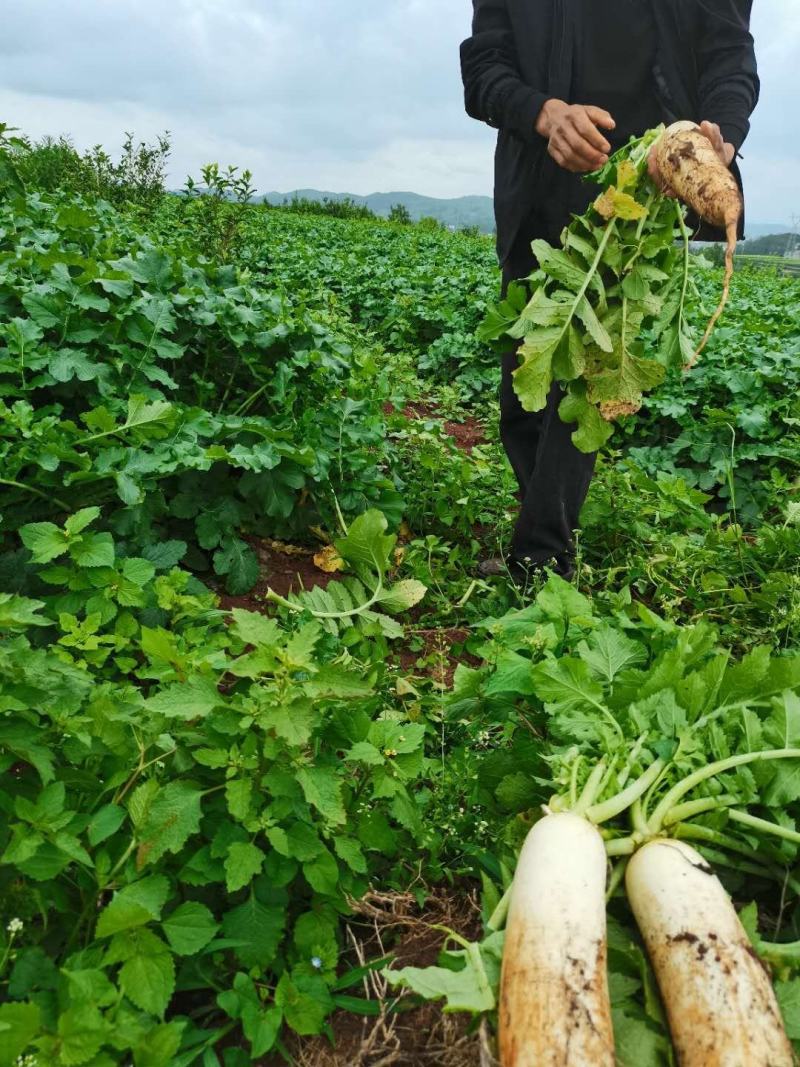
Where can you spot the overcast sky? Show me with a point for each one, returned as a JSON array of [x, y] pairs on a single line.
[[353, 96]]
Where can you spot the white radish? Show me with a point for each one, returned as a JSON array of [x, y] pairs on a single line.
[[554, 1004], [719, 999], [689, 164]]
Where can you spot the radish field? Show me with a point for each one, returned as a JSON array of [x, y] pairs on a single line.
[[269, 748]]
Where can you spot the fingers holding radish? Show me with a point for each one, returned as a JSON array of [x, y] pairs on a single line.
[[725, 151]]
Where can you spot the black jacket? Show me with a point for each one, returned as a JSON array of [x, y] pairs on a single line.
[[521, 52]]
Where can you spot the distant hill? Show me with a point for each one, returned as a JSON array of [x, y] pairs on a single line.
[[766, 229], [458, 212], [774, 244]]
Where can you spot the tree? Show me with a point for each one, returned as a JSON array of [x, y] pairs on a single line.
[[399, 213]]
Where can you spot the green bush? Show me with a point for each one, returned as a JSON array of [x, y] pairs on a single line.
[[400, 213], [137, 178]]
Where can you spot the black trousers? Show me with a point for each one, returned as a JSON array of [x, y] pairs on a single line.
[[553, 475]]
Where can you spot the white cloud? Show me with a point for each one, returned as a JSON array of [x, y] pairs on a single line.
[[349, 95]]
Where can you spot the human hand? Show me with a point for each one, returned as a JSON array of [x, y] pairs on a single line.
[[725, 151], [573, 139]]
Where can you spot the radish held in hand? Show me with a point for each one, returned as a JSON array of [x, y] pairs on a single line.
[[554, 1003], [690, 166], [721, 1007]]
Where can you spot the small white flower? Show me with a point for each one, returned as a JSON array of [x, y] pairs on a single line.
[[316, 963], [15, 926]]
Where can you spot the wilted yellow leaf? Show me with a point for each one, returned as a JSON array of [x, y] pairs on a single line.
[[625, 207], [404, 688], [329, 560], [615, 409], [614, 204], [604, 204], [286, 549], [626, 174]]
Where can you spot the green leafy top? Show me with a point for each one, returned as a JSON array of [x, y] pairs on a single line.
[[616, 280]]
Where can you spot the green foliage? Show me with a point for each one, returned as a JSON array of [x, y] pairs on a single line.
[[442, 483], [174, 392], [400, 213], [730, 427], [188, 806], [213, 211], [11, 182], [136, 179], [190, 797], [660, 536], [429, 223], [423, 291], [338, 208], [617, 273], [363, 599]]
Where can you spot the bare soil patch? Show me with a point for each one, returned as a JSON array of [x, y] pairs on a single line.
[[466, 434], [438, 649], [393, 924], [284, 569]]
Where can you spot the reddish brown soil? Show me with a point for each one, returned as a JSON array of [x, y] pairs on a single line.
[[288, 569], [466, 434], [421, 409], [438, 645], [284, 569]]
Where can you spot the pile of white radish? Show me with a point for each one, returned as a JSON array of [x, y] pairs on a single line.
[[625, 818], [554, 1006], [554, 1001]]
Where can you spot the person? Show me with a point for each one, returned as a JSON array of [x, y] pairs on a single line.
[[566, 83]]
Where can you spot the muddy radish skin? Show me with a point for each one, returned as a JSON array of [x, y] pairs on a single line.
[[689, 165], [718, 996], [554, 1004]]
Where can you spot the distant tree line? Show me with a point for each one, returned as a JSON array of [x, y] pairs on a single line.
[[347, 208], [774, 244], [337, 209]]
